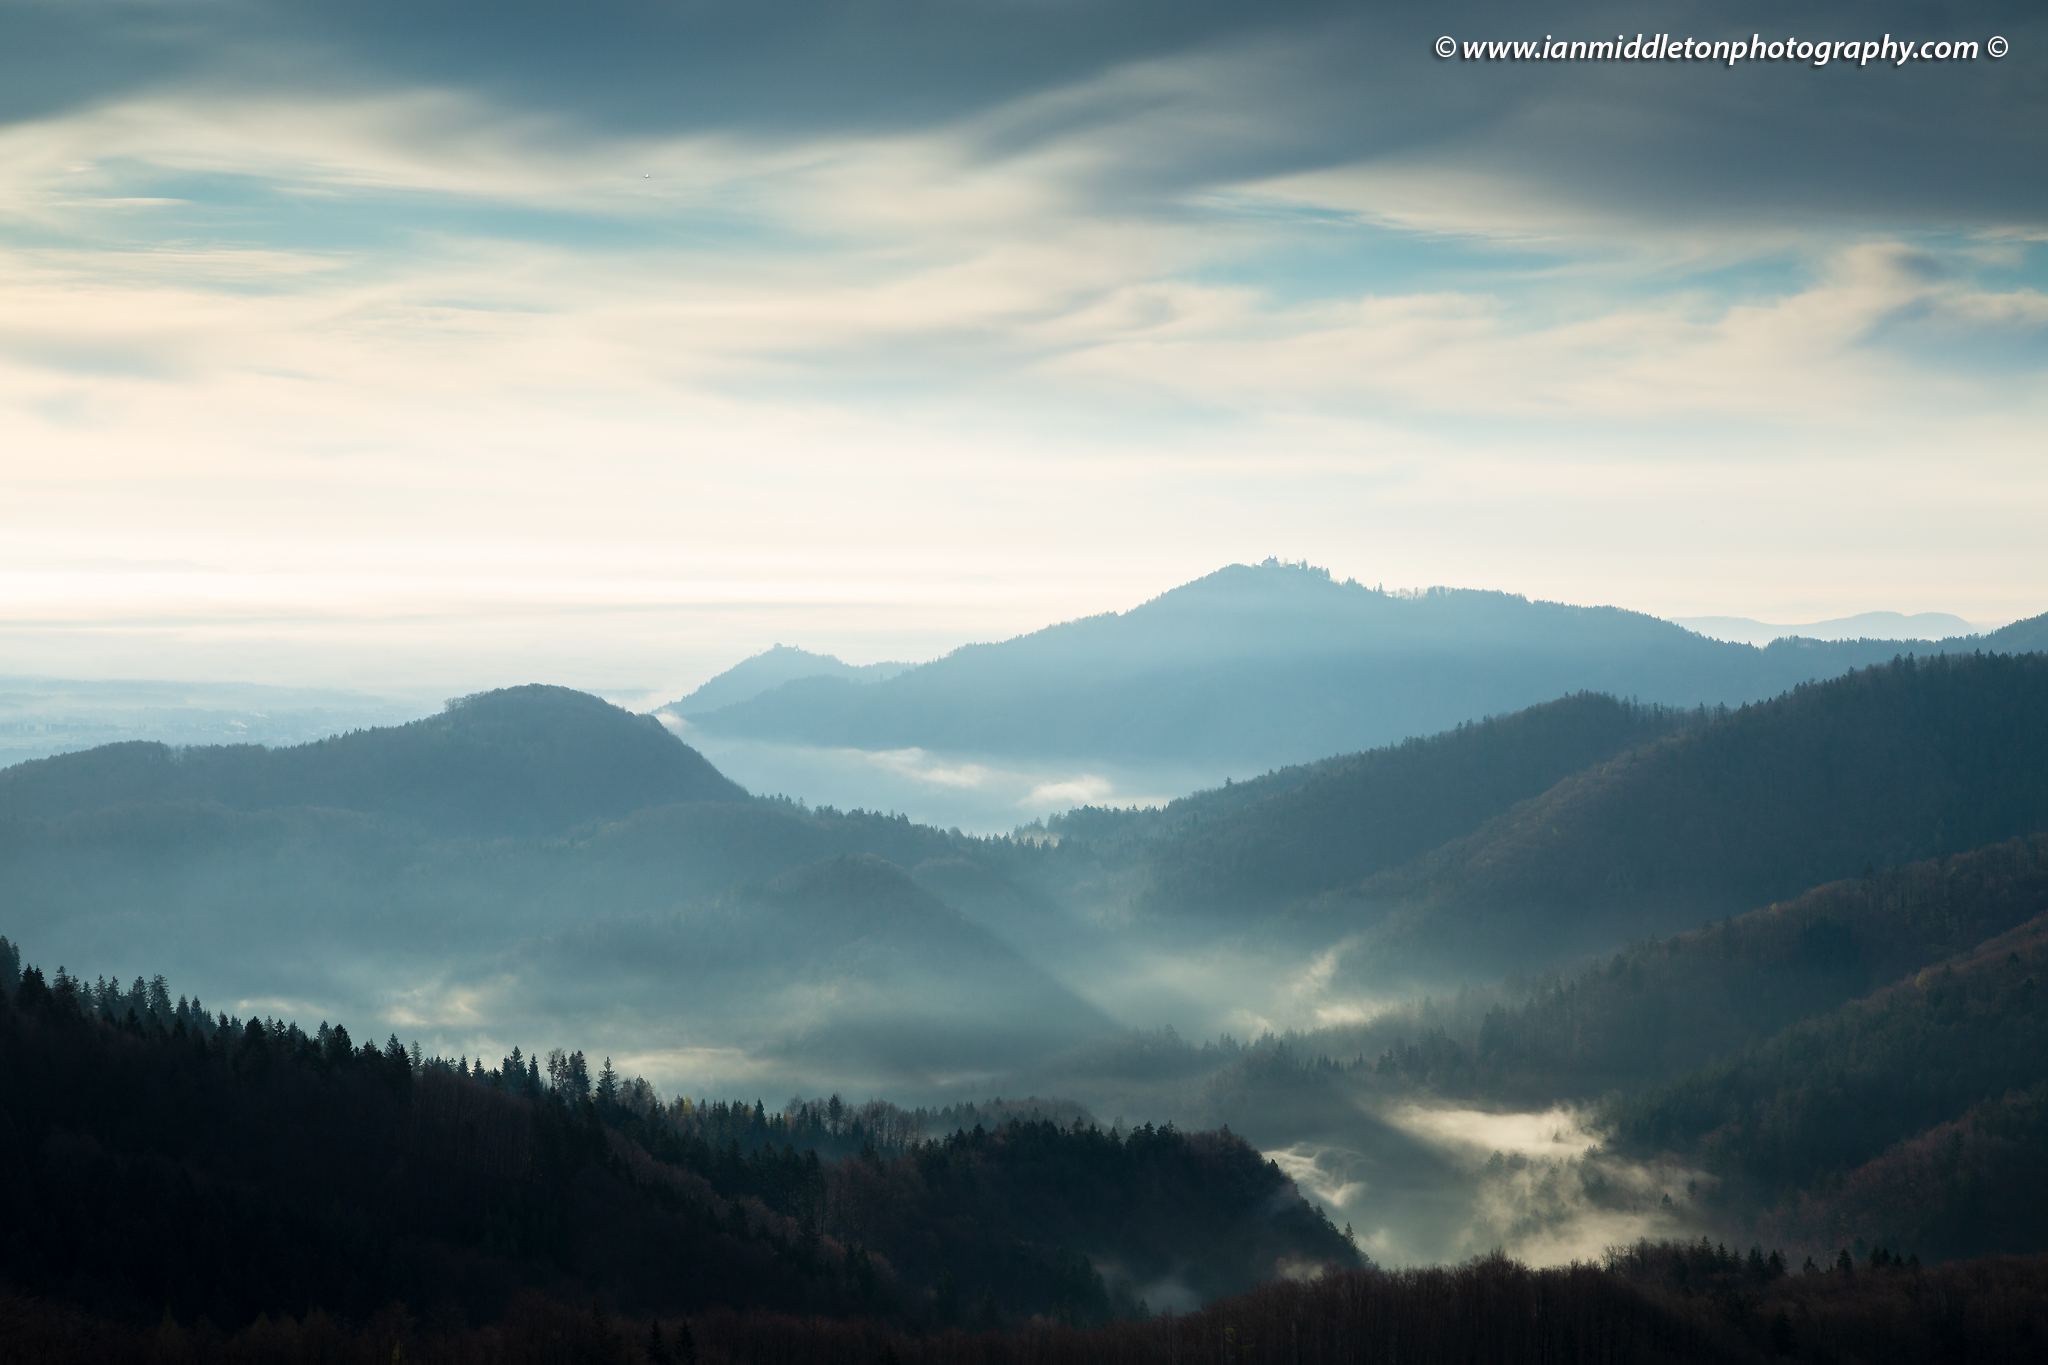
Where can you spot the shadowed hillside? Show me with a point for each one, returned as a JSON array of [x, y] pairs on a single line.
[[1883, 767], [1358, 815], [1806, 1108]]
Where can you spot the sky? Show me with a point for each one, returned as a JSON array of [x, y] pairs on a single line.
[[440, 344]]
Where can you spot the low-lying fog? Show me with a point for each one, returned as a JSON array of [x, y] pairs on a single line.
[[1142, 1038], [974, 793], [875, 981], [40, 717], [1423, 1184]]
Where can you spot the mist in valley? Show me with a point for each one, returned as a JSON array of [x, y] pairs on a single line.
[[1413, 976], [1248, 685], [1467, 991]]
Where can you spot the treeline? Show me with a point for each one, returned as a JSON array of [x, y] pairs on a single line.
[[250, 1168], [1648, 1305]]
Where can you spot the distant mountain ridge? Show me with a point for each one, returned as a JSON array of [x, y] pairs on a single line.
[[1276, 664], [771, 668], [522, 760], [1869, 625]]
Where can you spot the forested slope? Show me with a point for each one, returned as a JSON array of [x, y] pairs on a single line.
[[251, 1168], [1660, 1008], [1804, 1110], [1888, 765], [1358, 815]]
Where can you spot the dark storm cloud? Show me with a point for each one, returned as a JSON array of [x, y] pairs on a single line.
[[1266, 90]]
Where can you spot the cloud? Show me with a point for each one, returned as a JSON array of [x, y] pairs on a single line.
[[1171, 98], [1083, 790], [1554, 1133], [644, 308]]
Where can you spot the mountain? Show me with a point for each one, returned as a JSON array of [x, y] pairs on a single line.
[[1358, 815], [1827, 1104], [771, 669], [1869, 625], [1658, 1009], [481, 857], [769, 941], [1258, 667], [841, 968], [519, 761], [1888, 765]]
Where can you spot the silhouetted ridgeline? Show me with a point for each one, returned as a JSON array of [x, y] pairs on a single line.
[[522, 760], [1260, 666], [772, 668], [251, 1168]]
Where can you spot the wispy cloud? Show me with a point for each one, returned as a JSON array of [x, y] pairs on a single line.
[[1093, 321]]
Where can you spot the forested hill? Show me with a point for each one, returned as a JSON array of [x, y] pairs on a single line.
[[250, 1168], [522, 760], [1258, 667], [1660, 1008], [2021, 637], [1888, 765], [1358, 815], [1918, 1115]]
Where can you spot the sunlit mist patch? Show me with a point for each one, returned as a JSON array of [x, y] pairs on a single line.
[[925, 768], [1558, 1132], [438, 1006], [1544, 1190], [1321, 1172], [1083, 790]]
